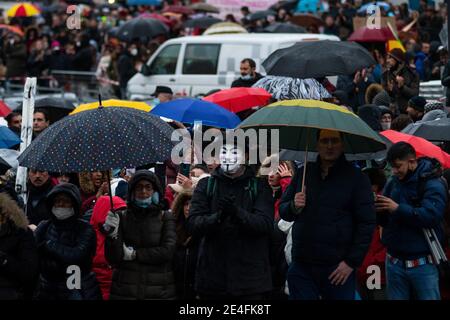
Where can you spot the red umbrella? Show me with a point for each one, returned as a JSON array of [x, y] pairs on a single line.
[[159, 17], [4, 109], [178, 9], [240, 99], [372, 35], [424, 148]]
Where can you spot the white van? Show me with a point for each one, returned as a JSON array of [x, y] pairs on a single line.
[[194, 65]]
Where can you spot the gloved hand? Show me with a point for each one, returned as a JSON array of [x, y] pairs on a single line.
[[111, 224], [226, 205], [129, 254]]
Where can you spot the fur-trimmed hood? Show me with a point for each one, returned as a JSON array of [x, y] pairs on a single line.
[[9, 210]]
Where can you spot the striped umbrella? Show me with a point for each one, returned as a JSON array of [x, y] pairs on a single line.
[[298, 119], [224, 28], [113, 103], [299, 123], [23, 10]]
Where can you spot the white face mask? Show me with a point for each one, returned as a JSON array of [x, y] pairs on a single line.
[[246, 77], [231, 159], [134, 52], [63, 213], [385, 125]]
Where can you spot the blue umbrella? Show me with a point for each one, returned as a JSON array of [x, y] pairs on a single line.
[[191, 110], [8, 138], [381, 4], [99, 140]]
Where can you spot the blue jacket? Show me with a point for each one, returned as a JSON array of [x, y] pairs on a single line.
[[402, 232], [420, 64], [338, 220]]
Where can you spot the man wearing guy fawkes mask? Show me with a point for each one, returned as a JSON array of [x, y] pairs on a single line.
[[233, 212]]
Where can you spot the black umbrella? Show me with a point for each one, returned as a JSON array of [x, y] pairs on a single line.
[[316, 59], [143, 29], [279, 27], [434, 130], [100, 140], [57, 108], [259, 15], [202, 23]]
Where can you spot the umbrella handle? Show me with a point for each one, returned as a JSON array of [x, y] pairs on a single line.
[[306, 160]]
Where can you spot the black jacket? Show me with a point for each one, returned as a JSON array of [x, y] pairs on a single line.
[[18, 252], [338, 221], [63, 243], [234, 253], [410, 88], [36, 208], [151, 232], [125, 67], [246, 83]]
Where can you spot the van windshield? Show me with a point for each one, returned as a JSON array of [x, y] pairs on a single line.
[[201, 58], [166, 61]]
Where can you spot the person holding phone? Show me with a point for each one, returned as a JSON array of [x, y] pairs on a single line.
[[414, 198]]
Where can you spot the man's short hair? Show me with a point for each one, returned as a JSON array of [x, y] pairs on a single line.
[[400, 151], [43, 111], [251, 62]]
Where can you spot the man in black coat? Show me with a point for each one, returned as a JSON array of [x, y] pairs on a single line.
[[334, 219], [249, 76], [233, 212]]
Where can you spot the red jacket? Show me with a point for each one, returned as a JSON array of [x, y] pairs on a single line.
[[375, 256], [284, 183], [100, 266]]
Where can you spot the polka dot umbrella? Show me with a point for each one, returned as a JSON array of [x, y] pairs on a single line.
[[100, 140]]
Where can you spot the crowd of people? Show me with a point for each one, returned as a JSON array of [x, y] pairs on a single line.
[[227, 229], [48, 45]]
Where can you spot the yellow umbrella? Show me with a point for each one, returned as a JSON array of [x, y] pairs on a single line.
[[139, 105], [23, 10]]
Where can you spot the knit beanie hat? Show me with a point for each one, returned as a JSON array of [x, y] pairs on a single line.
[[433, 105], [382, 99], [417, 103]]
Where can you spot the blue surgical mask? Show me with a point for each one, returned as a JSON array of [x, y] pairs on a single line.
[[246, 77], [156, 101], [145, 203]]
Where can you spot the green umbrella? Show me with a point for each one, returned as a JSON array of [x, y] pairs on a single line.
[[299, 123]]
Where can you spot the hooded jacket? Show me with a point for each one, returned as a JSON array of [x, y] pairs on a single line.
[[402, 232], [63, 243], [100, 266], [151, 232], [18, 249], [234, 253]]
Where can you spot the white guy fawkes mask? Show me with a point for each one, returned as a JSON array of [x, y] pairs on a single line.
[[231, 158]]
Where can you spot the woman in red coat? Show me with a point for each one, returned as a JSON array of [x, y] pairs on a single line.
[[100, 266]]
